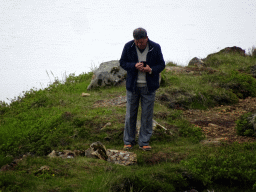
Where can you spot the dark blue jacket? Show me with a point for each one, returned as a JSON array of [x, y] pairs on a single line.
[[154, 59]]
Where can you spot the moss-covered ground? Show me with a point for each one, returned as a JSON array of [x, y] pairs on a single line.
[[59, 118]]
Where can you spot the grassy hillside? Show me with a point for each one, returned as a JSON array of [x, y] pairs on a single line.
[[58, 118]]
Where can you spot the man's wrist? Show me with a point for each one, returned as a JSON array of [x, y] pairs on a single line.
[[150, 71]]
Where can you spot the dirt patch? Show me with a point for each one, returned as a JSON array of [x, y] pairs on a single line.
[[219, 122], [190, 70], [118, 101], [216, 123]]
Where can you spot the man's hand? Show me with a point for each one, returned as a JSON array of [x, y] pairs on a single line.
[[140, 67], [147, 69]]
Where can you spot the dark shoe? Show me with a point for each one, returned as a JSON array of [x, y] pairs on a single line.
[[127, 147], [145, 148]]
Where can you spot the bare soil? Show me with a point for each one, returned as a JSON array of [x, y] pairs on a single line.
[[218, 123]]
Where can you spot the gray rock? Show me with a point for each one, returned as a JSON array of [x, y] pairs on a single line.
[[97, 150], [42, 169], [121, 157], [178, 98], [85, 94], [53, 154], [108, 74], [196, 62], [65, 154]]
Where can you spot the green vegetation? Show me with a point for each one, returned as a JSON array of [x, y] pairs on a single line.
[[244, 125], [59, 118]]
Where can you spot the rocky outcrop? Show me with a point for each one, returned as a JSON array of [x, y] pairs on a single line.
[[66, 154], [190, 70], [178, 98], [227, 50], [98, 151], [196, 62], [108, 74], [233, 50], [121, 157]]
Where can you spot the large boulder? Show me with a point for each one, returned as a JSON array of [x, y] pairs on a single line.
[[196, 62], [108, 74]]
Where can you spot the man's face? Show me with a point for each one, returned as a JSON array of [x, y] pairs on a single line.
[[141, 43]]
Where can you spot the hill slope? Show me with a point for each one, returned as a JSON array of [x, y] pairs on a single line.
[[194, 103]]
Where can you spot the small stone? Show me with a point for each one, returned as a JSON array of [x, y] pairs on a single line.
[[108, 124], [52, 154], [44, 168], [85, 94]]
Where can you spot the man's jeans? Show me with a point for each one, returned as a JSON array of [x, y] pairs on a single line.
[[147, 106]]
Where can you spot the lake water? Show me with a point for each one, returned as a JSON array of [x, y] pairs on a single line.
[[60, 37]]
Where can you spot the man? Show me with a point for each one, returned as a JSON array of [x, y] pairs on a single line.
[[143, 61]]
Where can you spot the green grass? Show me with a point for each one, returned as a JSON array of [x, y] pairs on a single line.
[[58, 118]]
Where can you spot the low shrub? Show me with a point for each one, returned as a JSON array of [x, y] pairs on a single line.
[[172, 64], [3, 107], [191, 131], [241, 84], [4, 160], [244, 125], [150, 180], [14, 182], [229, 166], [185, 129]]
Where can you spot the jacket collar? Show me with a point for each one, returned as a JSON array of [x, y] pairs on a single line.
[[150, 46]]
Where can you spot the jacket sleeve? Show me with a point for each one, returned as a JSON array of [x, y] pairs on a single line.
[[160, 61], [125, 63]]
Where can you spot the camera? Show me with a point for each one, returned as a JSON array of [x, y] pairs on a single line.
[[144, 63]]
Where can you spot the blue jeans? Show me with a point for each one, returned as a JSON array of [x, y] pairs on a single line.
[[147, 106]]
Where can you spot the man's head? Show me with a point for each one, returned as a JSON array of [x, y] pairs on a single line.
[[140, 38]]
